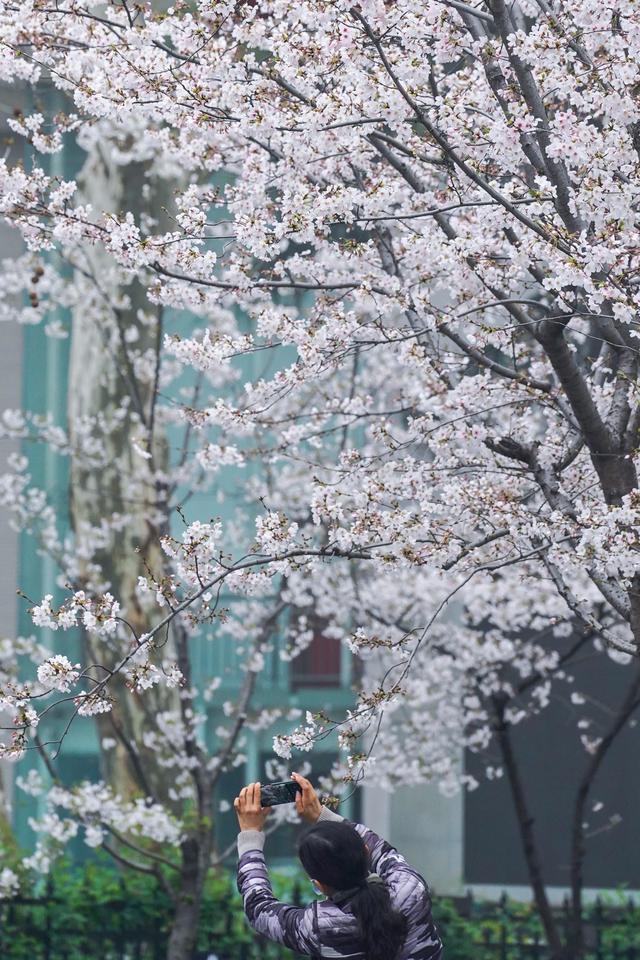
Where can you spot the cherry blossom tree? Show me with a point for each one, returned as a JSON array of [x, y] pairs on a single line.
[[418, 221]]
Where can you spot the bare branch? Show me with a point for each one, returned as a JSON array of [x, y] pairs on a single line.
[[583, 612], [442, 141], [467, 9], [556, 170]]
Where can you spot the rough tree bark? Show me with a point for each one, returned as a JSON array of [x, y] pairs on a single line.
[[101, 379], [195, 853], [630, 703], [6, 790], [525, 821], [570, 943]]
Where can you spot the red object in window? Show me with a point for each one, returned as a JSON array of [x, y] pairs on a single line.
[[319, 664]]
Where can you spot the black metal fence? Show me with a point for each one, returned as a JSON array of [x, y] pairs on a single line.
[[503, 945], [47, 928], [507, 930], [37, 928], [113, 929]]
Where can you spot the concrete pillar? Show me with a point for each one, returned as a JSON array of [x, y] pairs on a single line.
[[426, 827]]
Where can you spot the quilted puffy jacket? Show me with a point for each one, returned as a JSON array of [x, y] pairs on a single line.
[[328, 928]]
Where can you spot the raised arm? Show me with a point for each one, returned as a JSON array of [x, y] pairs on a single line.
[[282, 922]]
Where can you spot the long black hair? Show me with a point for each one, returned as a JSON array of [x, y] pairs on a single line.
[[335, 854]]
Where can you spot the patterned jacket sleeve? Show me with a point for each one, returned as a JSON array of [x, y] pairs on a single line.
[[387, 862], [282, 922]]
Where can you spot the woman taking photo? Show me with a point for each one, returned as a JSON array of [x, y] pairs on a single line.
[[377, 906]]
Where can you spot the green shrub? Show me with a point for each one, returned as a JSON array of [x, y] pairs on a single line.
[[97, 910]]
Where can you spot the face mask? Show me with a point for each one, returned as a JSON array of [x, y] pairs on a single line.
[[317, 890]]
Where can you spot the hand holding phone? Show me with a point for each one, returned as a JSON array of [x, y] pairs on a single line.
[[251, 814], [307, 801], [283, 791]]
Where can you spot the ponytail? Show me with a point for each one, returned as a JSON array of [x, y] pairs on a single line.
[[335, 854], [383, 929]]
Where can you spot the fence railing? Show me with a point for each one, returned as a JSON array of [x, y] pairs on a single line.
[[114, 928], [507, 930], [44, 928]]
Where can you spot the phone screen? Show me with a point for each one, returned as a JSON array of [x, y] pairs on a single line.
[[282, 792]]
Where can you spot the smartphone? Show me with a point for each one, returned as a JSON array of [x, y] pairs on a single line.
[[282, 792]]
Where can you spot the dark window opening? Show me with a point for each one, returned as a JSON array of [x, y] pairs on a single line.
[[319, 664]]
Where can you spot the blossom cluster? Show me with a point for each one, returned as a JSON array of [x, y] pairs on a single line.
[[406, 237], [98, 615]]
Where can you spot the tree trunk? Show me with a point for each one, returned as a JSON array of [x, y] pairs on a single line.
[[575, 940], [7, 838], [103, 382], [527, 835], [102, 379], [6, 790], [196, 854]]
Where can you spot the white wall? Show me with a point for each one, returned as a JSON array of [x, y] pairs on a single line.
[[427, 829]]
